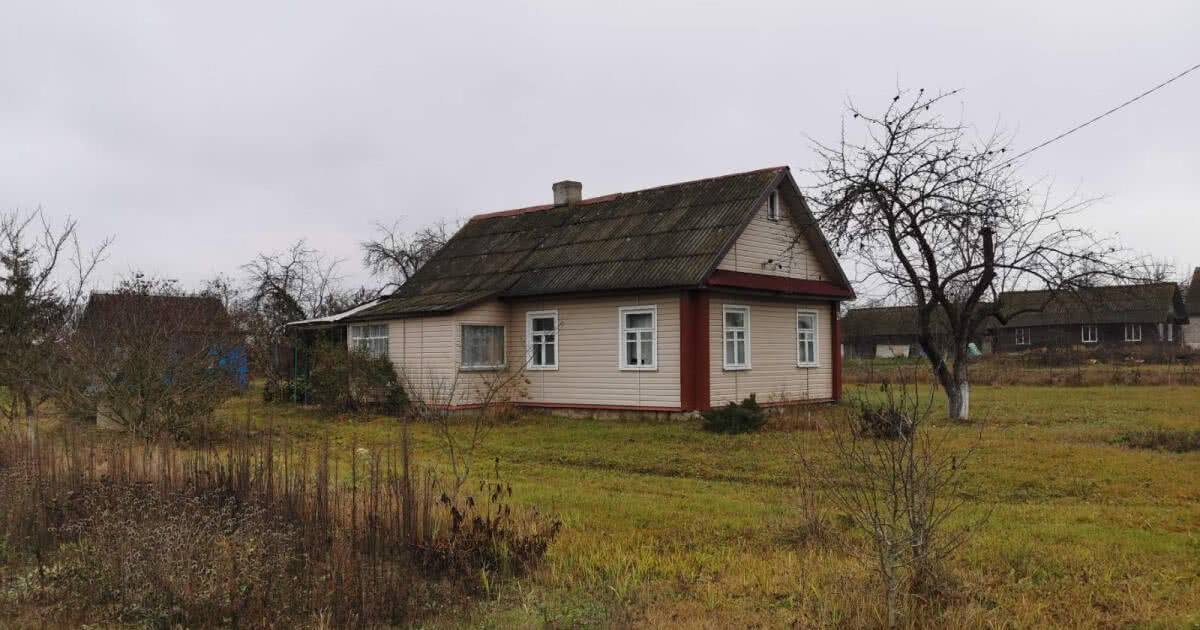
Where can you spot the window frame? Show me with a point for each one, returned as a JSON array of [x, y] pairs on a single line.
[[529, 317], [1133, 327], [463, 367], [746, 328], [773, 206], [1083, 333], [1021, 336], [622, 311], [367, 338], [816, 340]]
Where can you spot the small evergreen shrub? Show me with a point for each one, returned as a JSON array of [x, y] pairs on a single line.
[[735, 418]]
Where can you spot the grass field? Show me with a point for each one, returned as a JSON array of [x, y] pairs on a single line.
[[669, 526]]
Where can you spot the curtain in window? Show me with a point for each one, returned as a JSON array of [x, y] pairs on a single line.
[[482, 346]]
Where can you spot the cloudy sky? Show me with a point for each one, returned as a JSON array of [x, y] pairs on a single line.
[[199, 133]]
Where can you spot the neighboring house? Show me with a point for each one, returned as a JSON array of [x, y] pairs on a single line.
[[1095, 317], [1191, 330], [187, 320], [670, 299], [891, 331]]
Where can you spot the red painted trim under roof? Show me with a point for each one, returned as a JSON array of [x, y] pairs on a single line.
[[764, 282]]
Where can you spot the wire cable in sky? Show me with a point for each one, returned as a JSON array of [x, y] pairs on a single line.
[[1111, 111]]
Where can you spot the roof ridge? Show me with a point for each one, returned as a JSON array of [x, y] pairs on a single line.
[[618, 195]]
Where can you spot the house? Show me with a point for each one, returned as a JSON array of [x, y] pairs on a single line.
[[1095, 317], [1191, 330], [184, 320], [670, 299], [892, 331]]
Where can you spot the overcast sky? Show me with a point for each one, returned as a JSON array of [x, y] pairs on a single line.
[[200, 133]]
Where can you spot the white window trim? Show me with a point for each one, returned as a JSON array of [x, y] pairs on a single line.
[[366, 336], [621, 312], [725, 364], [482, 368], [1133, 327], [773, 206], [1021, 337], [1083, 336], [529, 317], [816, 358]]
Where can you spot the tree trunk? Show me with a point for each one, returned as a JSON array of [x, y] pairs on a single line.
[[27, 401], [959, 396]]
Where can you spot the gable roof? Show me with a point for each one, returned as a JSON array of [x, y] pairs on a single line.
[[865, 322], [1139, 303], [183, 313], [665, 237], [1193, 294]]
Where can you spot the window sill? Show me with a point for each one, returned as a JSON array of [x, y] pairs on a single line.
[[482, 368], [807, 365], [653, 368], [736, 368], [542, 368]]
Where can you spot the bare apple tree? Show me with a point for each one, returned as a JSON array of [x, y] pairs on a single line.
[[45, 276], [395, 256], [935, 213]]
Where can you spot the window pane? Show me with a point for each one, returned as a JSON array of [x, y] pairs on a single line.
[[741, 353], [639, 320], [735, 319], [549, 354], [804, 322], [482, 346], [647, 352], [729, 351], [543, 323], [631, 353]]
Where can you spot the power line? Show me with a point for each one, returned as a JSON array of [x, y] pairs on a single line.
[[1111, 111]]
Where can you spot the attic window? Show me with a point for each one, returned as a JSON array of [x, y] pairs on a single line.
[[773, 206]]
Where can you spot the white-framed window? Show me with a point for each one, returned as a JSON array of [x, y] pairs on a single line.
[[370, 338], [1133, 332], [806, 338], [1090, 333], [1170, 332], [736, 336], [482, 347], [1021, 336], [773, 206], [542, 339], [638, 337]]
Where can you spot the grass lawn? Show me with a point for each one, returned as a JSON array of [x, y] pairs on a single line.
[[668, 526]]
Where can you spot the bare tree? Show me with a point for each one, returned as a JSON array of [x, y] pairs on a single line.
[[934, 213], [900, 484], [395, 256], [46, 273]]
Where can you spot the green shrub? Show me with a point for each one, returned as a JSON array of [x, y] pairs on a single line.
[[1174, 441], [346, 381], [735, 418]]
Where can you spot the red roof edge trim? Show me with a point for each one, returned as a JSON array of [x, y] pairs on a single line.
[[517, 211], [762, 282]]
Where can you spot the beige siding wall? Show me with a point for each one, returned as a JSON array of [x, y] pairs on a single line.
[[588, 372], [427, 351], [773, 374], [777, 241]]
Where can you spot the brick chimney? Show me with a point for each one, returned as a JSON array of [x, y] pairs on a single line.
[[567, 193]]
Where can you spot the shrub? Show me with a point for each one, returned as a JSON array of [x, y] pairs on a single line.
[[883, 422], [345, 381], [1174, 441], [735, 418]]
